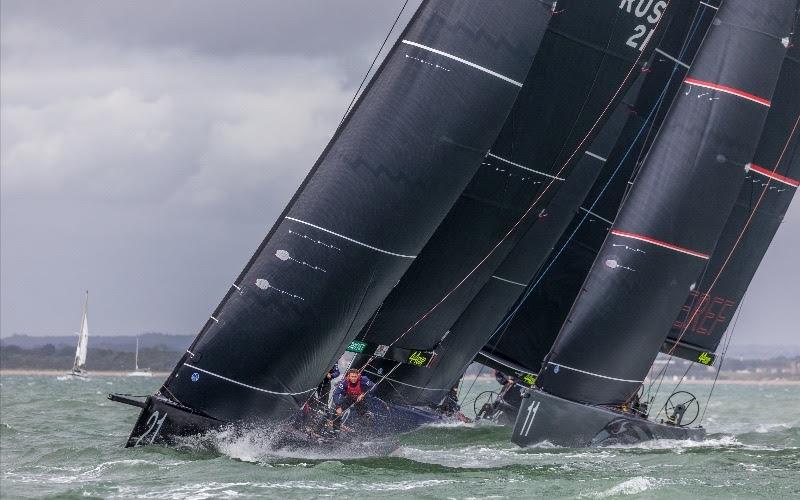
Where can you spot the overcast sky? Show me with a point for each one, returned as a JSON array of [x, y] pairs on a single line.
[[147, 147]]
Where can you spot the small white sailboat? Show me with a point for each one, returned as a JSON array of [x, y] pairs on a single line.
[[139, 372], [79, 366]]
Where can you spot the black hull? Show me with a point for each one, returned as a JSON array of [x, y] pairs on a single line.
[[544, 417], [163, 422]]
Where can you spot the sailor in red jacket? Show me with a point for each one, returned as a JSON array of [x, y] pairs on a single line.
[[353, 389]]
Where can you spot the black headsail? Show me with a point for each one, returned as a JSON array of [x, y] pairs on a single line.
[[670, 222], [381, 187], [588, 59], [769, 186], [527, 332]]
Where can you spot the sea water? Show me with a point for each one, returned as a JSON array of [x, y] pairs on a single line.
[[64, 439]]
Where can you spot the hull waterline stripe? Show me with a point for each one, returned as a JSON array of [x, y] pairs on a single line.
[[598, 216], [595, 374], [659, 243], [259, 389], [772, 175], [464, 61], [523, 167], [728, 90], [509, 281], [351, 240], [673, 59], [596, 156]]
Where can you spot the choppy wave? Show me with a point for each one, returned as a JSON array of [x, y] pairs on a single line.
[[66, 440]]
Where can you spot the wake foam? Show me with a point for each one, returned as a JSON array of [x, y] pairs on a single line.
[[265, 444]]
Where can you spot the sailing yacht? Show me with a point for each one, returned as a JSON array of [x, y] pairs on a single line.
[[139, 372], [79, 366]]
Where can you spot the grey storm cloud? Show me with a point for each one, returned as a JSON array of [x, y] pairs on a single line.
[[147, 147]]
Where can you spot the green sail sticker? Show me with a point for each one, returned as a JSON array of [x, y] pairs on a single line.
[[704, 358], [417, 358], [356, 346], [529, 379]]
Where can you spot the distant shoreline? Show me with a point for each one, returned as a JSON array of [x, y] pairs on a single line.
[[60, 373]]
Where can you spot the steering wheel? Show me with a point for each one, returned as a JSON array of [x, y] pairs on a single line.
[[688, 401], [481, 399]]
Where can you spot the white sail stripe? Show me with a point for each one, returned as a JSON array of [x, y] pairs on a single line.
[[596, 156], [709, 5], [464, 61], [509, 281], [595, 374], [598, 216], [673, 59], [351, 240], [246, 385], [523, 167], [504, 363]]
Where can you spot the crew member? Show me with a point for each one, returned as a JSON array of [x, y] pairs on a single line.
[[324, 387], [450, 407], [353, 389]]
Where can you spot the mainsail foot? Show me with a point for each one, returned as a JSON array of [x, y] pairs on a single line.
[[545, 417]]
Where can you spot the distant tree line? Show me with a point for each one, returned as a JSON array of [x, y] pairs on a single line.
[[49, 357]]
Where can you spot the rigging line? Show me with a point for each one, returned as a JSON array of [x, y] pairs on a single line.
[[699, 13], [651, 114], [722, 358], [680, 380], [538, 198], [745, 227], [735, 246], [374, 386], [662, 372], [372, 65], [464, 397], [589, 92]]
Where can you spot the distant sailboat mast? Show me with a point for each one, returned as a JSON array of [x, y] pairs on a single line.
[[83, 340], [136, 356]]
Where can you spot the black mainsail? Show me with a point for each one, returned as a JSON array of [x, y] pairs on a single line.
[[393, 169], [526, 334], [589, 58], [772, 180], [663, 235]]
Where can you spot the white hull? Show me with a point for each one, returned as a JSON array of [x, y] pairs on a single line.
[[74, 376], [140, 373]]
